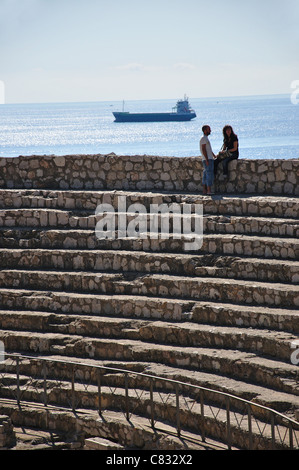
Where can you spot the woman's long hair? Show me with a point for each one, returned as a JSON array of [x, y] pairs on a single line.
[[225, 137]]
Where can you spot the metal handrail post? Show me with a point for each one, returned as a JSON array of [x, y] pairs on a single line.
[[178, 421], [291, 436], [45, 384], [250, 426], [152, 401], [273, 431], [18, 381], [202, 417], [99, 392], [127, 397], [228, 430], [73, 388]]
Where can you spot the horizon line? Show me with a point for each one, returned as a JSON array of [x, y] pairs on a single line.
[[147, 99]]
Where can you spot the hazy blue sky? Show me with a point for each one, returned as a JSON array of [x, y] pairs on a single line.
[[95, 50]]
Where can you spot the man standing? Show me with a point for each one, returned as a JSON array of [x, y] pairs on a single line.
[[208, 160]]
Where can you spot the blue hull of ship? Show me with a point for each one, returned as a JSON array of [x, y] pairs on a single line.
[[152, 117]]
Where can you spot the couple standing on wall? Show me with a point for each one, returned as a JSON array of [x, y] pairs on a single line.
[[229, 151]]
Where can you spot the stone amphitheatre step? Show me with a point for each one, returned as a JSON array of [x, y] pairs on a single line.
[[98, 443], [36, 439], [265, 342], [225, 314], [241, 365], [249, 205], [219, 313], [61, 219], [135, 434], [154, 308], [93, 326], [94, 304], [221, 244], [269, 270], [138, 403], [165, 285], [251, 225], [175, 263], [280, 401]]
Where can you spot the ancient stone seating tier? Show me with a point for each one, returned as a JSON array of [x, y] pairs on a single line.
[[225, 315]]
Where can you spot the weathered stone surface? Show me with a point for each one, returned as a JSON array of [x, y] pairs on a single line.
[[7, 433], [223, 316], [140, 172], [98, 443]]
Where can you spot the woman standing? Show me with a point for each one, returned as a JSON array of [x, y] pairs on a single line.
[[229, 150]]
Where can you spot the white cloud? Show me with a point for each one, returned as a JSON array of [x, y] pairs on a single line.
[[136, 67], [132, 67], [184, 66]]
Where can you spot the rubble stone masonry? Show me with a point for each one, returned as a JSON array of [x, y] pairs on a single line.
[[89, 172]]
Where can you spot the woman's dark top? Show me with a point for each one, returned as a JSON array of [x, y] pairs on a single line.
[[229, 144]]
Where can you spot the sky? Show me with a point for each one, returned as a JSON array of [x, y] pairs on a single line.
[[107, 50]]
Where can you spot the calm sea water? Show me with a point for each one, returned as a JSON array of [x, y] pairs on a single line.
[[267, 127]]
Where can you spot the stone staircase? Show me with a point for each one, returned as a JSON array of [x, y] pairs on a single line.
[[223, 317]]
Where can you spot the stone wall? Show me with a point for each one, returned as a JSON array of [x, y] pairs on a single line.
[[7, 434], [146, 173]]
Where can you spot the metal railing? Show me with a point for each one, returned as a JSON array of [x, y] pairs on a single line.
[[207, 412]]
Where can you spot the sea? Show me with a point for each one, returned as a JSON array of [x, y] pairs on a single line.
[[267, 128]]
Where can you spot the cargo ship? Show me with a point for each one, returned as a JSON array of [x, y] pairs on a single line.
[[180, 112]]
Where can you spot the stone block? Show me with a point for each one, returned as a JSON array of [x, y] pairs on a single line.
[[99, 443]]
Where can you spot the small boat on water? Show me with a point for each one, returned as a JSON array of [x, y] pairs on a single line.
[[181, 112]]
